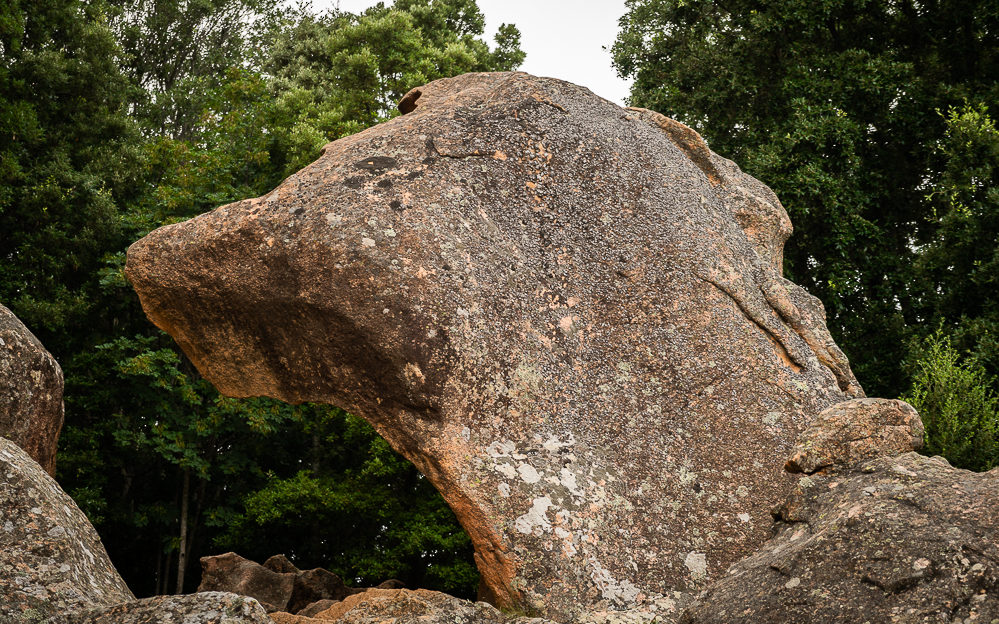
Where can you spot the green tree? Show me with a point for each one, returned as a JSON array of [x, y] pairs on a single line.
[[66, 153], [833, 104], [959, 266], [959, 409], [175, 51]]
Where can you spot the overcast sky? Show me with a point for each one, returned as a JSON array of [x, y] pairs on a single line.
[[562, 38]]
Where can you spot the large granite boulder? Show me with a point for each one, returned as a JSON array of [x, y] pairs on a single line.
[[201, 608], [902, 539], [31, 409], [570, 316], [51, 560]]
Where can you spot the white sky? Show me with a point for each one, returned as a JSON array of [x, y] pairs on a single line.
[[562, 38]]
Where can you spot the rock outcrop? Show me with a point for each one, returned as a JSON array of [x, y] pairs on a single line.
[[202, 608], [570, 316], [51, 560], [277, 584], [894, 539], [853, 431], [31, 408]]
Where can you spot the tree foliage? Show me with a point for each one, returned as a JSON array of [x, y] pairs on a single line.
[[66, 148], [960, 411]]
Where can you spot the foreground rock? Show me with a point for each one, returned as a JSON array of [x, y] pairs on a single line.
[[278, 585], [906, 539], [202, 608], [31, 409], [51, 560], [568, 315], [405, 606]]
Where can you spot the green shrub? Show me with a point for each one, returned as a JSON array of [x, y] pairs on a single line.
[[958, 405]]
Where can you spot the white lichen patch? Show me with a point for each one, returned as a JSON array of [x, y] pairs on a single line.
[[697, 563], [367, 242], [568, 480], [622, 592], [536, 519], [507, 470], [504, 490], [528, 473]]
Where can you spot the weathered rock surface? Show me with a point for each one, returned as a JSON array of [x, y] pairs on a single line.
[[202, 608], [420, 606], [51, 560], [31, 408], [856, 430], [277, 584], [316, 607], [570, 316], [906, 539]]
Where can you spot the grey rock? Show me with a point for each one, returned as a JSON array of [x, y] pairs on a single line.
[[51, 559], [231, 573], [908, 539], [31, 384]]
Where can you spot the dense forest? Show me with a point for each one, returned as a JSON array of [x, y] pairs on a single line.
[[871, 119]]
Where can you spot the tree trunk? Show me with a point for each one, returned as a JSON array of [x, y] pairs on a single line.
[[182, 549]]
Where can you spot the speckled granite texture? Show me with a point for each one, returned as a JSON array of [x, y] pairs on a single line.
[[570, 316], [905, 539], [51, 560], [201, 608], [31, 384]]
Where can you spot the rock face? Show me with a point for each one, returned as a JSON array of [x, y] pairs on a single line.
[[51, 560], [31, 409], [906, 539], [406, 606], [852, 431], [570, 316], [278, 584], [202, 608]]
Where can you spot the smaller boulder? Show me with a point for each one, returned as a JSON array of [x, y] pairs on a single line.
[[313, 585], [280, 563], [907, 539], [391, 584], [238, 575], [31, 384], [202, 608], [420, 606], [856, 430]]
